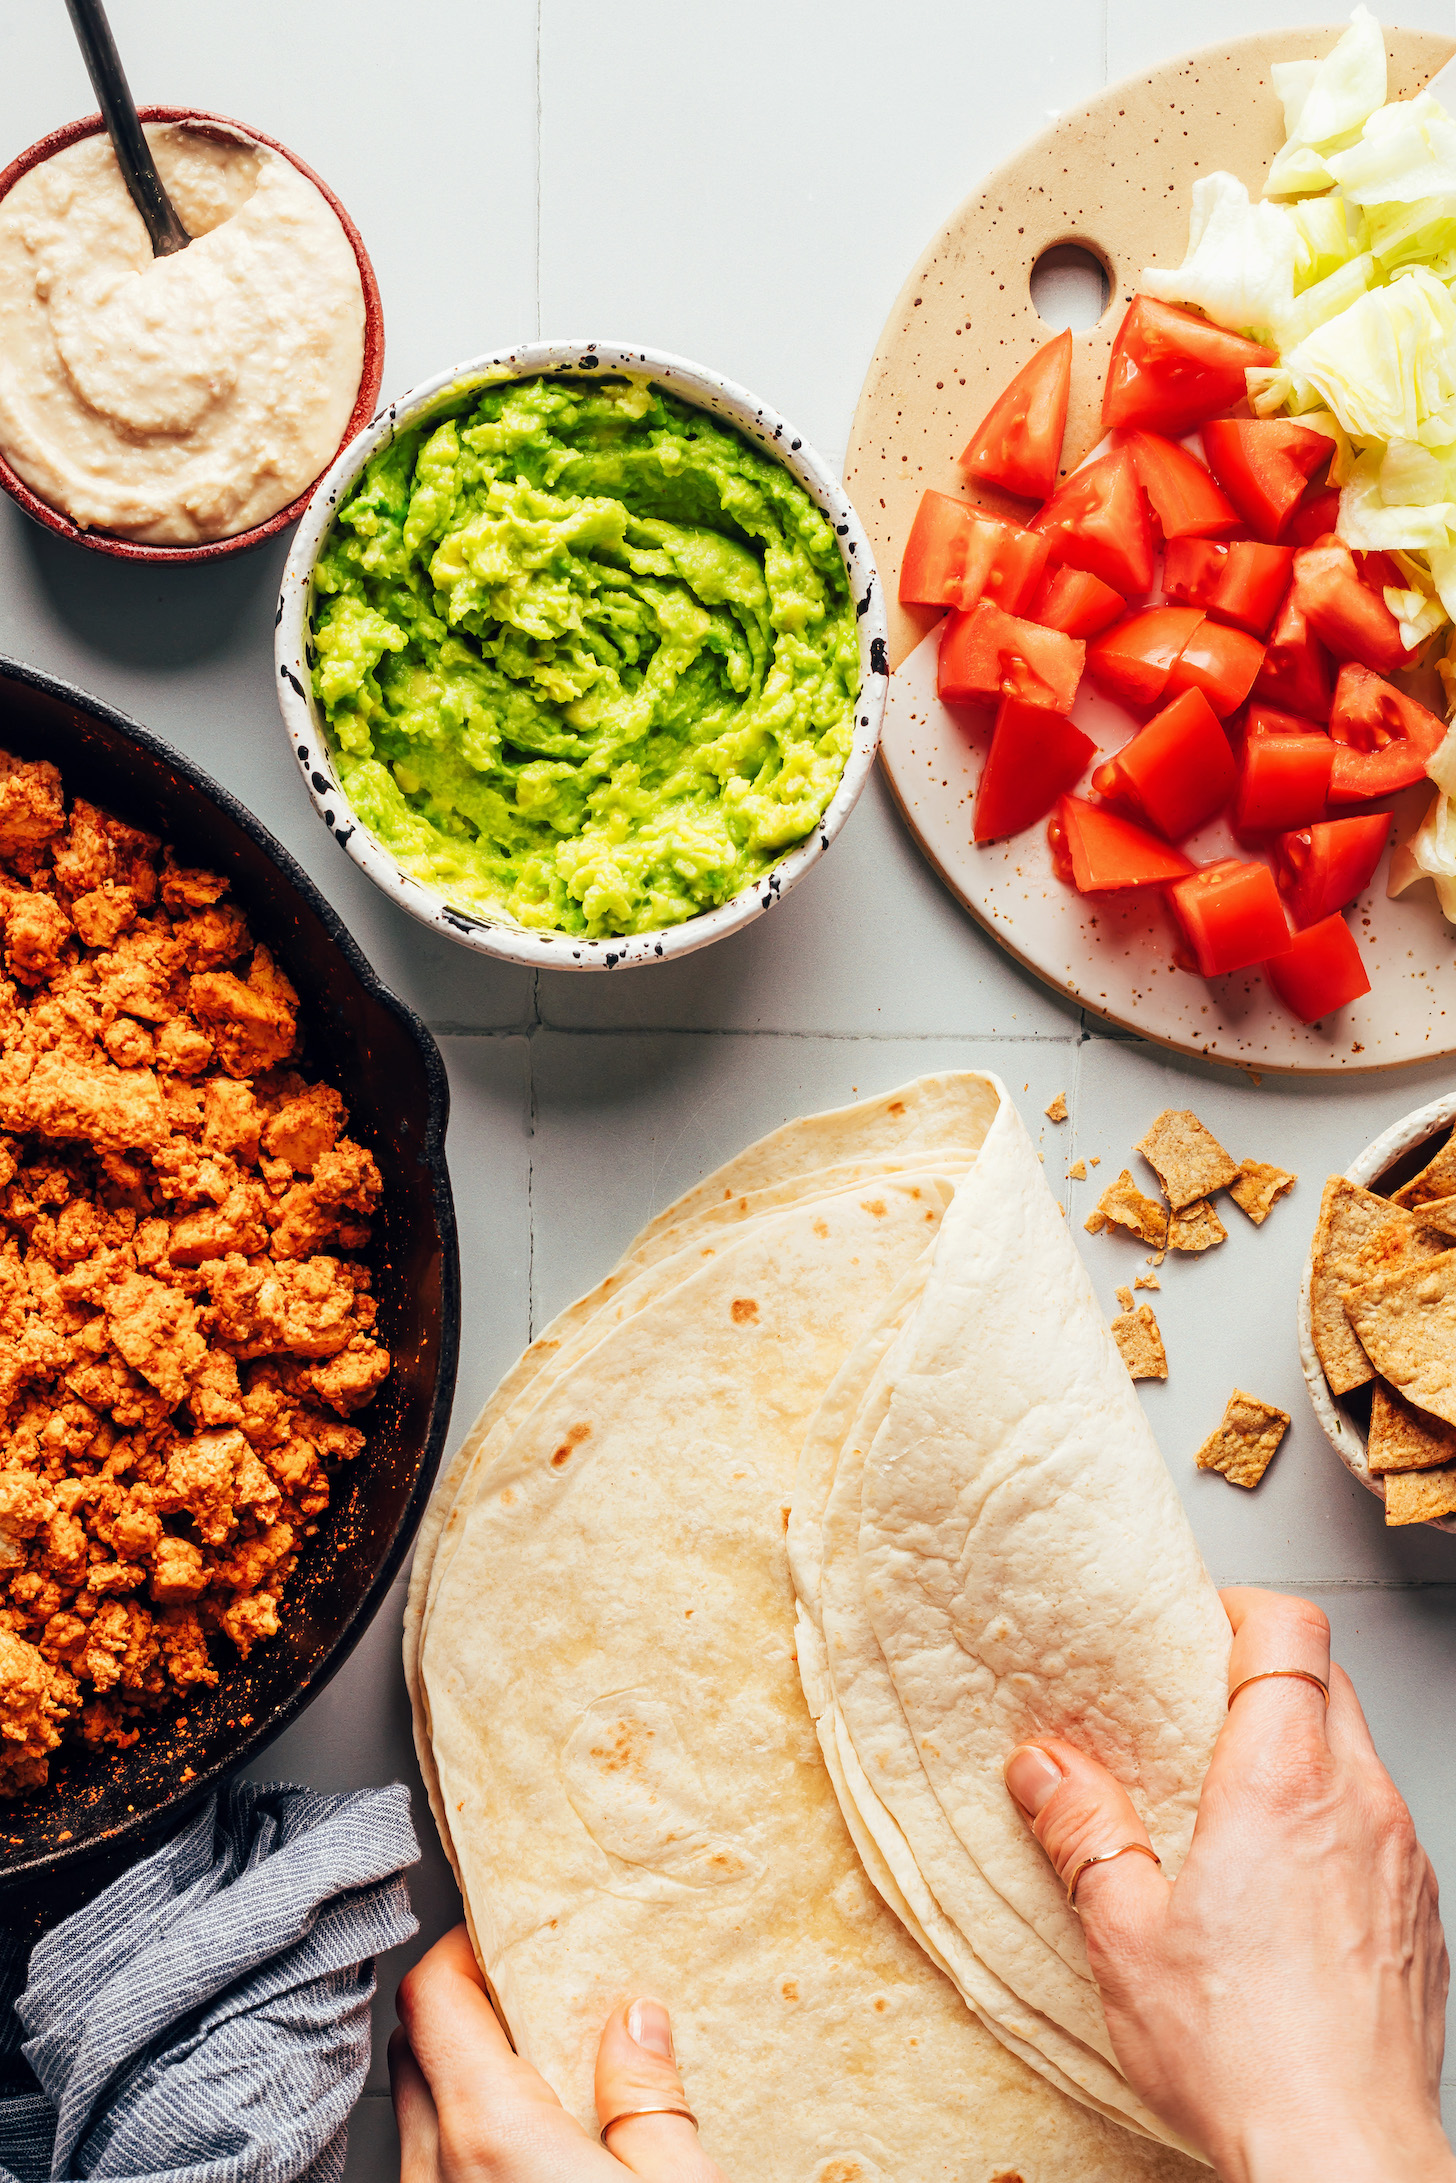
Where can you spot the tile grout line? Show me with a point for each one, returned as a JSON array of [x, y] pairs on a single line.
[[538, 166], [530, 1025]]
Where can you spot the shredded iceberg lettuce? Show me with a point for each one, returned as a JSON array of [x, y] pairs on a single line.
[[1240, 263], [1326, 104]]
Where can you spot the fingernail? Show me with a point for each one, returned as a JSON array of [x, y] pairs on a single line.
[[647, 2021], [1031, 1777]]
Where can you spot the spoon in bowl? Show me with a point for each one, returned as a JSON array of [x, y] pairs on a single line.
[[118, 111]]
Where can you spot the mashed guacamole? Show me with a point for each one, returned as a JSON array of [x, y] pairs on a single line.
[[587, 658]]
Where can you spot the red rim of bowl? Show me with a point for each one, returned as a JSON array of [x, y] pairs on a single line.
[[370, 377]]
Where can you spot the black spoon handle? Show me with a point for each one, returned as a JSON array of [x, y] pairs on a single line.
[[118, 109]]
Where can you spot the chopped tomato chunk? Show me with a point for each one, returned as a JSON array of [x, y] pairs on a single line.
[[1098, 521], [955, 555], [1186, 500], [1170, 370], [1296, 674], [1176, 772], [1324, 868], [1035, 756], [1230, 915], [1315, 518], [1268, 720], [1220, 661], [1382, 737], [1019, 444], [1106, 851], [1133, 660], [1264, 464], [1070, 599], [1240, 582], [1284, 781], [989, 654], [1319, 971], [1345, 614]]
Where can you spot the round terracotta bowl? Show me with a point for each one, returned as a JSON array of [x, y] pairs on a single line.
[[1397, 1154], [128, 549], [499, 935]]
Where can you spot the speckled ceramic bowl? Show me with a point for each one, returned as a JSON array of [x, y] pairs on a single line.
[[129, 549], [502, 936], [1400, 1152]]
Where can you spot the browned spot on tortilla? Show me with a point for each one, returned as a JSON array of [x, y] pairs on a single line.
[[874, 1206], [821, 1227], [790, 1989], [576, 1434], [742, 1309], [623, 1754], [785, 1512], [881, 2004], [896, 1106]]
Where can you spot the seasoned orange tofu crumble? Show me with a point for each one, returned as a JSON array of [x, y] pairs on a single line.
[[183, 1331]]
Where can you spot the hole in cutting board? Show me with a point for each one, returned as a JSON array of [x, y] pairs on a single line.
[[1069, 287]]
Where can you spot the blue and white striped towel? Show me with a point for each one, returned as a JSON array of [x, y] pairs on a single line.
[[206, 2019]]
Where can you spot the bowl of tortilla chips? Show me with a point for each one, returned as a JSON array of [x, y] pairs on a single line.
[[1377, 1317]]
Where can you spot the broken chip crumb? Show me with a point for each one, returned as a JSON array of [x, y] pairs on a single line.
[[1196, 1228], [1055, 1110], [1403, 1438], [1124, 1298], [1129, 1207], [1095, 1223], [1257, 1186], [1097, 1159], [1146, 1281], [1420, 1496], [1187, 1159], [1077, 1172], [1140, 1340], [1246, 1440]]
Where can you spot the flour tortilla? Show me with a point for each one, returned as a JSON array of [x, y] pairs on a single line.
[[944, 1115], [635, 1789], [1024, 1559]]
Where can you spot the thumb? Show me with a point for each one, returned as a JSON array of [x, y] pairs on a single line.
[[637, 2069], [1078, 1811]]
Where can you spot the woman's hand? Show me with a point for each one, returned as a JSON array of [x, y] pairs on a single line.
[[469, 2109], [1282, 2003]]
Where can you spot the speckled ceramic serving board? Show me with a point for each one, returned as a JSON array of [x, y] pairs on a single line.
[[1113, 176]]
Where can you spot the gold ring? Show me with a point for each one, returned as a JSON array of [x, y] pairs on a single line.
[[1106, 1858], [630, 2114], [1300, 1675]]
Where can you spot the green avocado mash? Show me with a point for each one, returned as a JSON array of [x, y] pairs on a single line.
[[587, 658]]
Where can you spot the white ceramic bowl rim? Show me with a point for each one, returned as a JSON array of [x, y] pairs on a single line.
[[501, 936], [1339, 1427]]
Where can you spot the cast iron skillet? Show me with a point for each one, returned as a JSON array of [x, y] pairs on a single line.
[[102, 1810]]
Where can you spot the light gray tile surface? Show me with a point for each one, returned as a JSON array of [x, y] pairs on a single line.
[[752, 193]]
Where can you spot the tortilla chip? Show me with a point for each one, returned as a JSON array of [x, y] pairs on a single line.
[[1406, 1324], [1124, 1203], [1196, 1228], [1437, 1179], [1077, 1172], [1400, 1242], [1439, 1214], [1405, 1439], [1138, 1336], [1419, 1496], [1349, 1216], [1146, 1281], [1256, 1187], [1056, 1109], [1124, 1299], [1246, 1440], [1186, 1158]]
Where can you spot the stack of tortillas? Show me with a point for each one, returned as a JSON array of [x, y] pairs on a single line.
[[862, 1363]]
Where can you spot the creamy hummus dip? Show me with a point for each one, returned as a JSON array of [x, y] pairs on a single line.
[[174, 400], [588, 659]]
